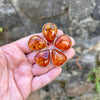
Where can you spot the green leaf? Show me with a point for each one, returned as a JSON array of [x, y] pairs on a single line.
[[1, 29], [90, 78], [99, 68], [98, 86], [94, 70]]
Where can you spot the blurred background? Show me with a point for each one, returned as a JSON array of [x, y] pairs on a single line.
[[78, 18]]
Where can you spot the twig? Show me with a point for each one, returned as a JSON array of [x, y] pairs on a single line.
[[78, 64]]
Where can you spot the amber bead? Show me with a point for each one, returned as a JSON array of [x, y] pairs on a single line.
[[50, 32], [63, 42], [36, 43], [42, 58], [58, 58]]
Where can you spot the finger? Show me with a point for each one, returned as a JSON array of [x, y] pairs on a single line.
[[60, 32], [73, 41], [40, 81], [39, 70], [23, 43], [69, 53], [31, 55]]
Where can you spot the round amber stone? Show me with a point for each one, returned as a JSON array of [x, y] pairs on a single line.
[[63, 42], [42, 58], [50, 32], [58, 58], [36, 43]]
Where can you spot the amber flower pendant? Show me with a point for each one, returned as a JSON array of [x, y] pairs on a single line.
[[57, 56]]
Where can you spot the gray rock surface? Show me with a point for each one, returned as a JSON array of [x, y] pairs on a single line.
[[64, 76], [56, 90], [11, 23], [80, 9], [40, 9], [76, 86], [98, 58], [96, 11]]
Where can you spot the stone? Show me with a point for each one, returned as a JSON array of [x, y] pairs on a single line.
[[36, 43], [86, 28], [82, 25], [87, 62], [34, 96], [42, 58], [58, 58], [28, 25], [88, 96], [77, 86], [56, 90], [64, 76], [63, 42], [98, 59], [80, 9], [96, 47], [88, 57], [50, 31], [45, 8], [11, 23], [38, 95], [96, 10], [86, 43]]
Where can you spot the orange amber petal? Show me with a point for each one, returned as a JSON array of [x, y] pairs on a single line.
[[58, 58], [50, 32], [63, 42], [42, 58], [36, 43]]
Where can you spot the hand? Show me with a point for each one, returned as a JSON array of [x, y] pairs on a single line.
[[19, 74]]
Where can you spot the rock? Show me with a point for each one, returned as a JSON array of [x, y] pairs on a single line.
[[98, 29], [85, 32], [80, 9], [86, 66], [8, 16], [42, 8], [86, 43], [40, 94], [56, 90], [17, 24], [77, 86], [84, 28], [11, 22], [98, 59], [64, 76], [96, 47], [88, 57], [3, 38], [96, 11], [87, 96], [34, 96], [78, 49]]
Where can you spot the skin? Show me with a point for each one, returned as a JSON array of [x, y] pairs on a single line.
[[20, 75]]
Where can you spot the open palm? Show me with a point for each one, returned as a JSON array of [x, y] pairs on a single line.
[[19, 74]]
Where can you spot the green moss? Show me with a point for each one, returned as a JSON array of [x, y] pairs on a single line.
[[1, 29], [94, 77]]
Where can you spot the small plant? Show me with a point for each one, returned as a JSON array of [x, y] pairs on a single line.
[[1, 29], [94, 77]]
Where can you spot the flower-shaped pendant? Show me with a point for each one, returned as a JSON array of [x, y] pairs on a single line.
[[57, 56]]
